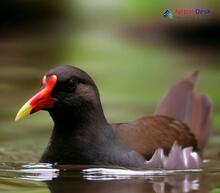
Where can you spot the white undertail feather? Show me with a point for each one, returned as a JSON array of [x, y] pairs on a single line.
[[178, 158]]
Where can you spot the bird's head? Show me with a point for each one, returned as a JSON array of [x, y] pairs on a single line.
[[64, 87]]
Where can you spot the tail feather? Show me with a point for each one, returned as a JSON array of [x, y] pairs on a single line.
[[194, 110], [201, 119]]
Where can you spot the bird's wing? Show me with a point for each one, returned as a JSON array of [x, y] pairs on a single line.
[[150, 133]]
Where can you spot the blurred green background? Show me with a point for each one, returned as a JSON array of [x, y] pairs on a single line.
[[133, 53]]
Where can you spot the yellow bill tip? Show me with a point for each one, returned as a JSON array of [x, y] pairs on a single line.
[[24, 111]]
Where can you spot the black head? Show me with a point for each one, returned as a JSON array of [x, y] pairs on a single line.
[[64, 89], [74, 88]]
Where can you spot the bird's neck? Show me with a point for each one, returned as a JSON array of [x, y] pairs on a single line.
[[72, 119]]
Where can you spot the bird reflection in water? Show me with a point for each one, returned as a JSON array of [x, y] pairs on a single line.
[[177, 183], [108, 180]]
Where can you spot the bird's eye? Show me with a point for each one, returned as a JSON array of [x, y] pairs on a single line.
[[71, 82], [69, 86]]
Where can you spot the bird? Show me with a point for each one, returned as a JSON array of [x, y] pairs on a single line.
[[173, 137]]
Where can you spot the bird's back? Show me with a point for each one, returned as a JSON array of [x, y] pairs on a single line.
[[147, 134]]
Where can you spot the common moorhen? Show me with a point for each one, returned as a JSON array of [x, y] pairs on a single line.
[[81, 134]]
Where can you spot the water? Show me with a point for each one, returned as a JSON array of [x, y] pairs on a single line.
[[42, 178]]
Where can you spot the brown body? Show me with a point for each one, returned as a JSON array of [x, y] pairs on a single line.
[[147, 134]]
